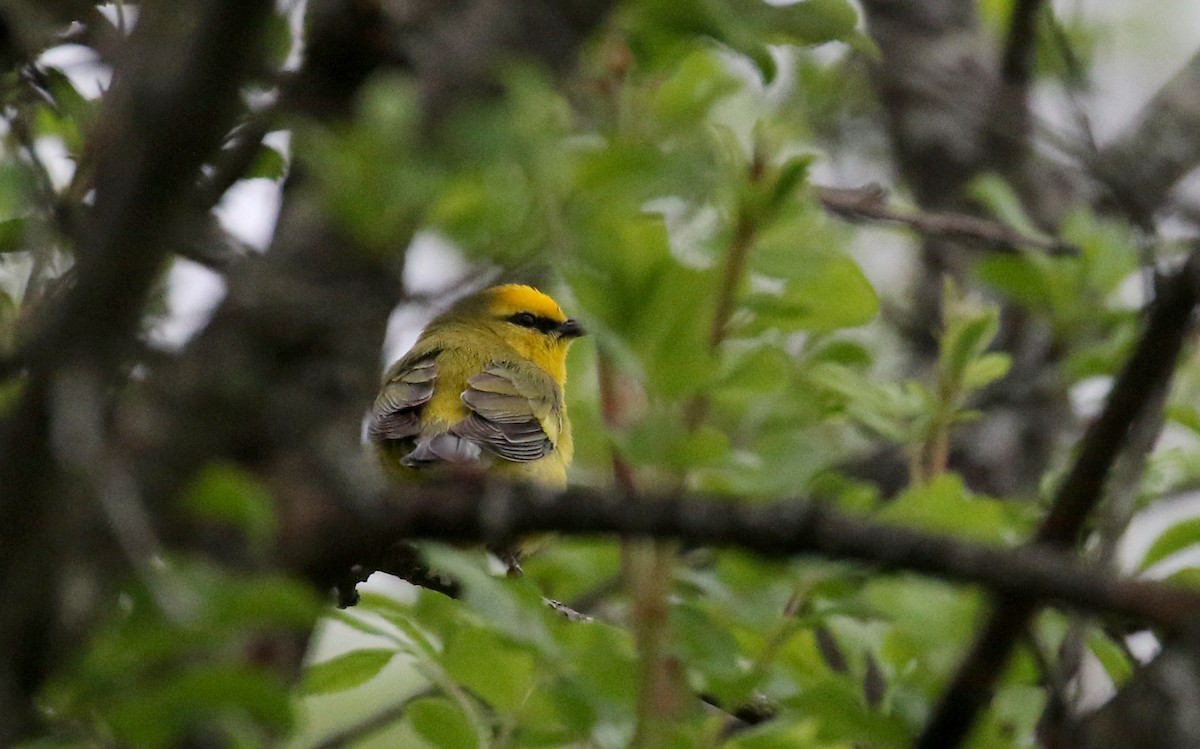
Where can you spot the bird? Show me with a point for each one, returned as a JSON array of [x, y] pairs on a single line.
[[482, 389]]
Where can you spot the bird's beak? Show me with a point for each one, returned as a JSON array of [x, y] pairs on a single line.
[[570, 329]]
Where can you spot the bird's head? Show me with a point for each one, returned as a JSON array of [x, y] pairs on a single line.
[[532, 323]]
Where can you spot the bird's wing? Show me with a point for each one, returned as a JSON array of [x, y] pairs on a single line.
[[516, 411], [397, 411]]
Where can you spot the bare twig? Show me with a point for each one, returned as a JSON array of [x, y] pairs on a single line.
[[870, 202], [1076, 83], [567, 612]]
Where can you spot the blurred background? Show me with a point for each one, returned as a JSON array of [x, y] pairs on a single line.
[[888, 255]]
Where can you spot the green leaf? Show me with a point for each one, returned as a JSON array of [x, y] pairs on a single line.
[[278, 38], [209, 696], [12, 235], [1014, 716], [645, 301], [757, 370], [985, 370], [227, 493], [830, 293], [1178, 537], [813, 21], [906, 600], [782, 733], [660, 438], [1186, 415], [442, 723], [268, 164], [261, 600], [1188, 577], [969, 331], [71, 112], [1111, 655], [345, 671], [791, 176], [511, 606], [885, 409], [710, 653], [661, 32], [359, 623], [946, 505], [499, 671], [841, 715], [685, 98], [994, 192], [1021, 278]]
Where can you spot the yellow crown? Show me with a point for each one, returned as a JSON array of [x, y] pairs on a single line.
[[512, 298]]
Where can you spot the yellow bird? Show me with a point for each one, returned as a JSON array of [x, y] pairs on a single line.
[[482, 388]]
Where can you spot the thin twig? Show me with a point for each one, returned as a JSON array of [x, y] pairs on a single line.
[[567, 612], [870, 202], [1077, 83]]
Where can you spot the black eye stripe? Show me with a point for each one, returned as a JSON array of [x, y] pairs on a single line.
[[530, 320]]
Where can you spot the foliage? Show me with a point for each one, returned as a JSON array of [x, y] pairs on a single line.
[[666, 191]]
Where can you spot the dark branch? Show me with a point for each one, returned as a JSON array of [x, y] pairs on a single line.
[[238, 155], [1144, 374], [468, 511], [1017, 66], [175, 97]]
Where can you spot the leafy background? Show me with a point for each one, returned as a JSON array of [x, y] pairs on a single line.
[[669, 188]]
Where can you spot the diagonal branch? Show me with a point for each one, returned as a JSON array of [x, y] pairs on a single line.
[[1150, 366]]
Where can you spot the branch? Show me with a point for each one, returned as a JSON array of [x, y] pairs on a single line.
[[236, 157], [1150, 366], [1017, 65], [472, 512], [870, 202], [175, 96], [1143, 166]]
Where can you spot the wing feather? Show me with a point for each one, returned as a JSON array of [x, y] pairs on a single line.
[[516, 411], [396, 414]]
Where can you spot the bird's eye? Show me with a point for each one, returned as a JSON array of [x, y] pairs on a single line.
[[524, 319]]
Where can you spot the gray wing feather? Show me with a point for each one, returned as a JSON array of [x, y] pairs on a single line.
[[517, 442], [507, 420], [397, 410], [442, 448]]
